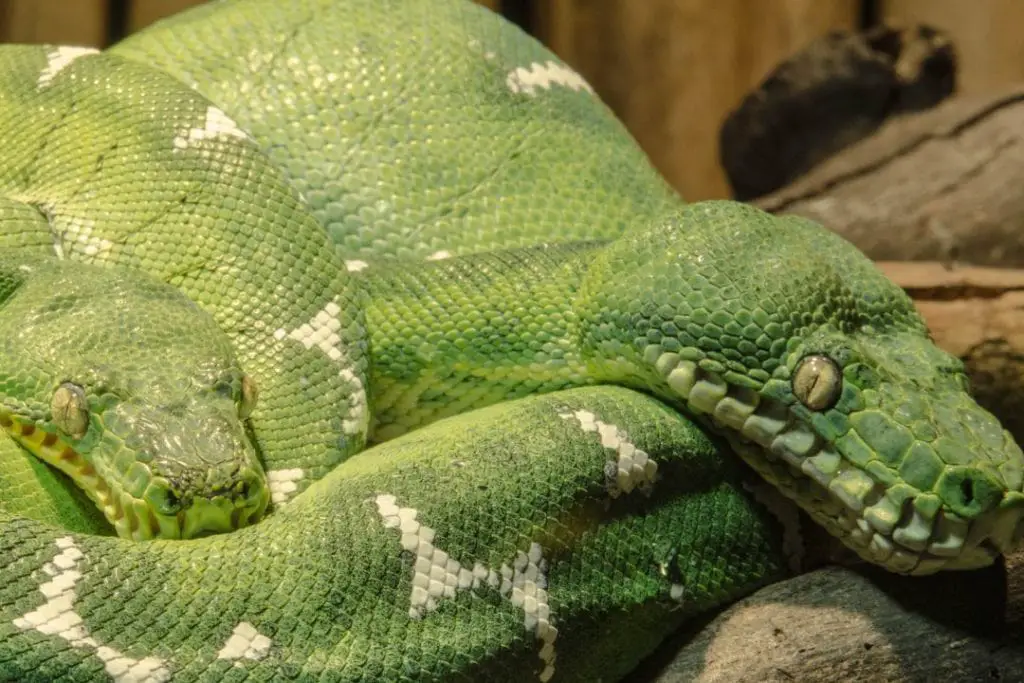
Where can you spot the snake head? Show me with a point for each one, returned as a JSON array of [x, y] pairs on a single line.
[[132, 390], [820, 372], [883, 445]]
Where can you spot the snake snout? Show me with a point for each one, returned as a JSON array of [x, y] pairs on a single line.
[[187, 469]]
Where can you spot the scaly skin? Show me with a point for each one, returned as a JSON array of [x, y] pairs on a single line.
[[162, 447], [508, 527]]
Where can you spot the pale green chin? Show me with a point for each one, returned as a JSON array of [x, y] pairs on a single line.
[[884, 525], [866, 519]]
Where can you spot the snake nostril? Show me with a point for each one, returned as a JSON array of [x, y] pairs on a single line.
[[967, 491]]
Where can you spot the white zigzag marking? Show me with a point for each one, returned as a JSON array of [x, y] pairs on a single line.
[[282, 484], [527, 80], [436, 575], [217, 125], [245, 641], [632, 467], [58, 617], [59, 59], [323, 332]]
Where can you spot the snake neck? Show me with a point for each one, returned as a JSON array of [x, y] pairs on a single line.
[[454, 335]]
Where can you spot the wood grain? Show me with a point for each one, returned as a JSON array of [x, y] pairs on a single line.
[[142, 13], [82, 22], [985, 32], [672, 69]]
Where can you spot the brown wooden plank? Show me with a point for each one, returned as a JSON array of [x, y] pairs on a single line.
[[986, 34], [672, 69], [142, 13], [82, 22]]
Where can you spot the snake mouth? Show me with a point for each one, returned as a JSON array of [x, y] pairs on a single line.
[[134, 517], [886, 523], [906, 536]]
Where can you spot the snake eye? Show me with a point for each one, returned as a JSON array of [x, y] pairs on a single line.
[[817, 382], [70, 410], [249, 395]]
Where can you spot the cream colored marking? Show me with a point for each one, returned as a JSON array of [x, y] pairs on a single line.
[[323, 332], [245, 642], [436, 575], [439, 255], [632, 467], [217, 125], [59, 59], [58, 617], [527, 80], [74, 234], [356, 266], [282, 484]]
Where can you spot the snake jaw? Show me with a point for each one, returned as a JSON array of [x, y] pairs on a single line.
[[905, 538], [881, 517], [137, 517]]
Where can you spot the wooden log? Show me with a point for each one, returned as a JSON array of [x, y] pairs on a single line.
[[862, 624], [943, 185]]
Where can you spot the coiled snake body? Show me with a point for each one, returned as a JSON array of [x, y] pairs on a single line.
[[375, 350]]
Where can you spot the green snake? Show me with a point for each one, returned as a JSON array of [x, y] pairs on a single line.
[[357, 340]]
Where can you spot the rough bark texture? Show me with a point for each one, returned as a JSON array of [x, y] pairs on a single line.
[[942, 186], [863, 625], [836, 91]]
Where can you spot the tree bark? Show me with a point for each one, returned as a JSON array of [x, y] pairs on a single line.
[[941, 186], [840, 624]]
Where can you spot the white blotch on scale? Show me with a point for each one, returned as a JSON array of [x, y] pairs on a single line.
[[632, 467], [323, 332], [245, 642], [439, 255], [59, 59], [437, 575], [283, 484], [58, 617], [527, 80], [355, 266], [217, 125], [74, 234]]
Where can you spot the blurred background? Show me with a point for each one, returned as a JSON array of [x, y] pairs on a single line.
[[671, 69]]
